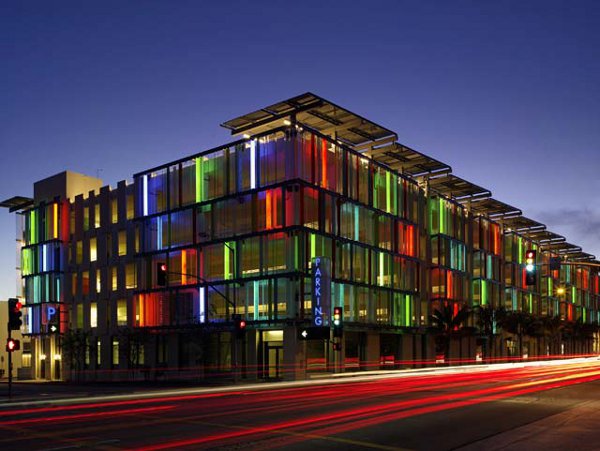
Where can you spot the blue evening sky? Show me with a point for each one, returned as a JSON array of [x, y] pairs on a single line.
[[506, 92]]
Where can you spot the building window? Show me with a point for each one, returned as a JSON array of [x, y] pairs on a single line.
[[137, 239], [98, 281], [79, 252], [122, 312], [130, 276], [97, 221], [85, 283], [93, 249], [122, 242], [93, 315], [26, 359], [86, 218], [130, 207], [114, 211], [113, 278], [98, 351], [79, 316], [74, 284], [115, 352]]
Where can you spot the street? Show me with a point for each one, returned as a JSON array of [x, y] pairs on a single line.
[[508, 407]]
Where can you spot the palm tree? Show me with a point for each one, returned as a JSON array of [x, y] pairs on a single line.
[[487, 319], [445, 324], [553, 330], [519, 324]]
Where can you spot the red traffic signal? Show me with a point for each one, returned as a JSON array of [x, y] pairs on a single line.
[[12, 345], [161, 274], [239, 324], [14, 314]]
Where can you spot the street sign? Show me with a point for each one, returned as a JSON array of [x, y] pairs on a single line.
[[313, 333]]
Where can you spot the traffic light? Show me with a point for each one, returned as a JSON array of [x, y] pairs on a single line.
[[530, 268], [14, 314], [239, 325], [337, 319], [161, 274], [12, 345]]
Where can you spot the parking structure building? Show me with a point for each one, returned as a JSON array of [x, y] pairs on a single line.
[[238, 229]]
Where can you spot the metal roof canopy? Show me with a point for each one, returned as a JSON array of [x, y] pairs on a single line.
[[16, 203], [546, 237], [581, 256], [406, 160], [492, 208], [563, 248], [314, 112], [456, 188], [521, 224]]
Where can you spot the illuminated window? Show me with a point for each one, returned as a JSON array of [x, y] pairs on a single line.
[[26, 359], [130, 276], [122, 242], [114, 211], [122, 312], [115, 351], [93, 314], [85, 282], [79, 252], [86, 218], [79, 316], [98, 281], [130, 207], [93, 249], [74, 284], [97, 216], [98, 351], [113, 278], [137, 239]]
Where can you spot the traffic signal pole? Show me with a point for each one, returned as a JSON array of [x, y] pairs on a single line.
[[9, 366]]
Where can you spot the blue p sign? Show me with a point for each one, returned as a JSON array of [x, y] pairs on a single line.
[[50, 312]]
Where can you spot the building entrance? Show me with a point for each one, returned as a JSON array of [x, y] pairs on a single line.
[[272, 355]]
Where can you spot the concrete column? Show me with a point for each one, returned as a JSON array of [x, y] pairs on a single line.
[[251, 355], [406, 350], [372, 351], [294, 355]]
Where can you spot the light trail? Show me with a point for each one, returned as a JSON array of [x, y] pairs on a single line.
[[83, 416], [409, 408]]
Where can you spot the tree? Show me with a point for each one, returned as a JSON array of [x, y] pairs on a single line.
[[582, 334], [445, 324], [74, 347], [488, 319], [519, 324], [131, 345], [553, 328]]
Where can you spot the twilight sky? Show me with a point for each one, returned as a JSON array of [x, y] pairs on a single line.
[[504, 91]]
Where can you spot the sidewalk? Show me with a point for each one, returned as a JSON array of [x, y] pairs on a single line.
[[574, 429]]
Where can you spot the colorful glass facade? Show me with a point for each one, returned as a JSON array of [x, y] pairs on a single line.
[[238, 227]]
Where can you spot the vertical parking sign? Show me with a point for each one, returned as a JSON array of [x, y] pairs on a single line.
[[321, 289]]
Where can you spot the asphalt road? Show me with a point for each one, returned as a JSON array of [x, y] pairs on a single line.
[[531, 407]]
